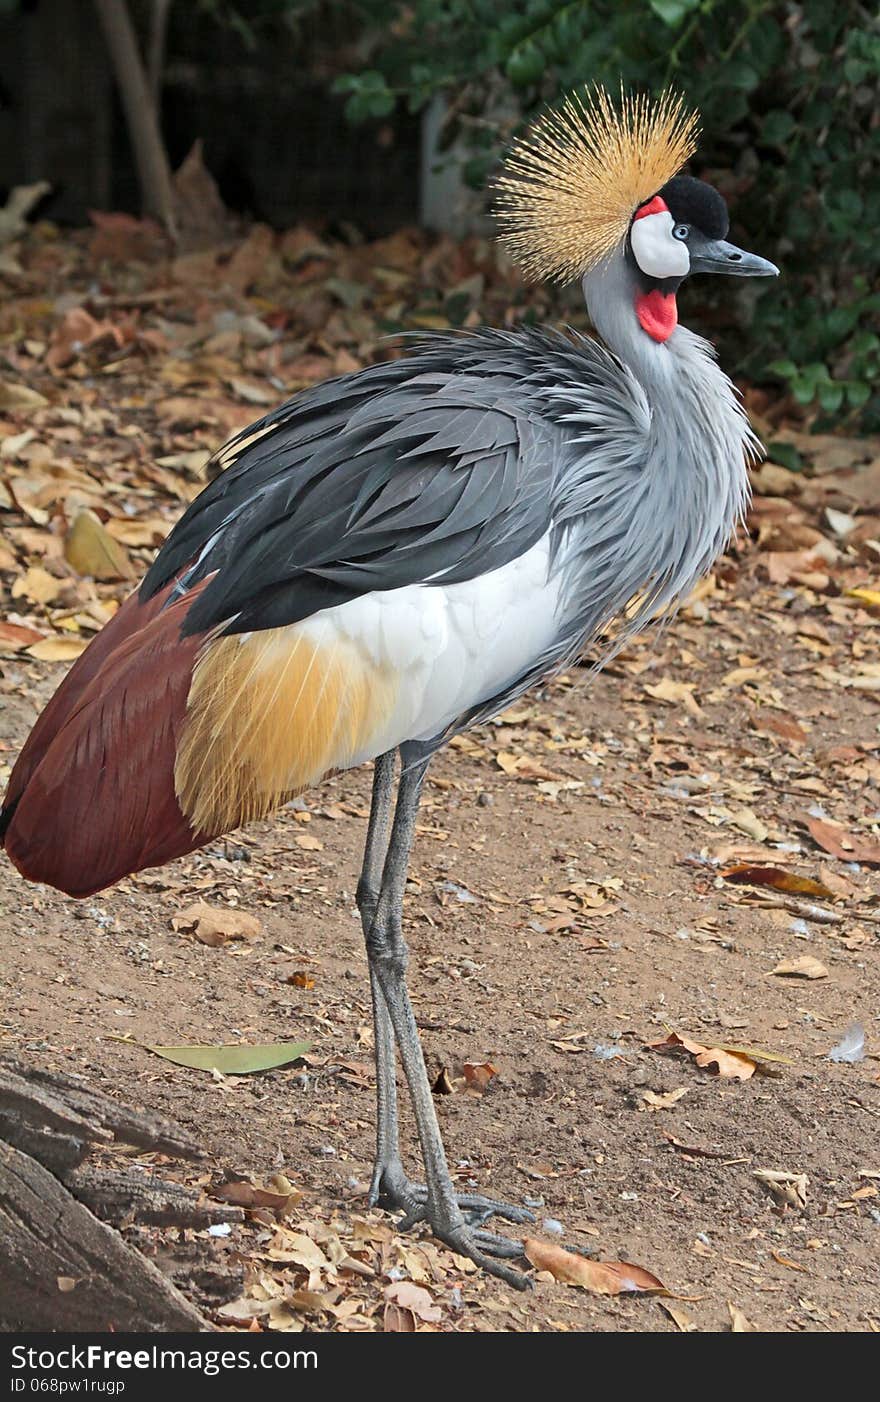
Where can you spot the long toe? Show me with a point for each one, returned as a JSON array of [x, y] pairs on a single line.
[[478, 1209], [486, 1250], [496, 1245]]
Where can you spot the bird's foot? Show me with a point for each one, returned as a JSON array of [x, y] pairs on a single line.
[[460, 1227], [390, 1188]]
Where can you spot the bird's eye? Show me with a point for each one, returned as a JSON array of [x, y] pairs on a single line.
[[680, 231]]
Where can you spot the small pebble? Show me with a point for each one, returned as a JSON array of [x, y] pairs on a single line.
[[220, 1229]]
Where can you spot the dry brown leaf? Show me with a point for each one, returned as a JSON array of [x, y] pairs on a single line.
[[249, 261], [14, 637], [601, 1277], [806, 966], [91, 550], [842, 844], [748, 822], [784, 1261], [215, 926], [652, 1101], [675, 693], [695, 1151], [733, 1065], [414, 1298], [789, 1189], [680, 1318], [80, 334], [525, 767], [149, 531], [396, 1320], [309, 1301], [251, 391], [19, 397], [308, 843], [744, 873], [479, 1075], [247, 1195], [122, 238], [738, 1322], [295, 1248]]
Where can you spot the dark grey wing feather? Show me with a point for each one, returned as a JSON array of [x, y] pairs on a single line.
[[434, 468]]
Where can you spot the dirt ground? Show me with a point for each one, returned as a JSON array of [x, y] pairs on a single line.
[[568, 903], [554, 931]]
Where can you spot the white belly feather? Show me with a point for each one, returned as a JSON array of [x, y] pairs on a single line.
[[450, 646]]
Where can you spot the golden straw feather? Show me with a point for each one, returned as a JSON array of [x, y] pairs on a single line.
[[570, 186]]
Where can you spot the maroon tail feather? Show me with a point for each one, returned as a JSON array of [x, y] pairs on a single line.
[[91, 798]]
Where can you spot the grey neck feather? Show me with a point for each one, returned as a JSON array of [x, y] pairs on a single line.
[[610, 293], [647, 510]]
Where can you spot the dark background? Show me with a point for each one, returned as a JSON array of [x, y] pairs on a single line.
[[276, 137]]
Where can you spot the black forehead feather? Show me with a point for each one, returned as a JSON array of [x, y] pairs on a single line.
[[692, 201]]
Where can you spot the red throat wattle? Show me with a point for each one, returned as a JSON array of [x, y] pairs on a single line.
[[657, 313]]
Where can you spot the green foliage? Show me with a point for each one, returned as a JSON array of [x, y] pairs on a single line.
[[788, 96]]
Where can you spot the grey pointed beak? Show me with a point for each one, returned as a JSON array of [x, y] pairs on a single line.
[[717, 256]]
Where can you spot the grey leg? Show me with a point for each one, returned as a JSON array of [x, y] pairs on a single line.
[[390, 1187], [389, 1183], [388, 957]]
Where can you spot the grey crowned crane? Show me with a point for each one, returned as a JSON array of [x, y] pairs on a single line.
[[396, 554]]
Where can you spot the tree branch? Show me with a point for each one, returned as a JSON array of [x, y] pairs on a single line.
[[154, 172]]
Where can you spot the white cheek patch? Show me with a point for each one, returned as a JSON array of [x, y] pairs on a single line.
[[657, 253]]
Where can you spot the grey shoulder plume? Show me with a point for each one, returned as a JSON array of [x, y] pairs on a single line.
[[437, 467]]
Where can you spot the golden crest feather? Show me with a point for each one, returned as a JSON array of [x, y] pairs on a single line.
[[570, 186]]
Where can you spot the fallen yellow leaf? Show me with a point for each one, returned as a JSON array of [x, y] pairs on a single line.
[[871, 597], [38, 585], [58, 649]]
